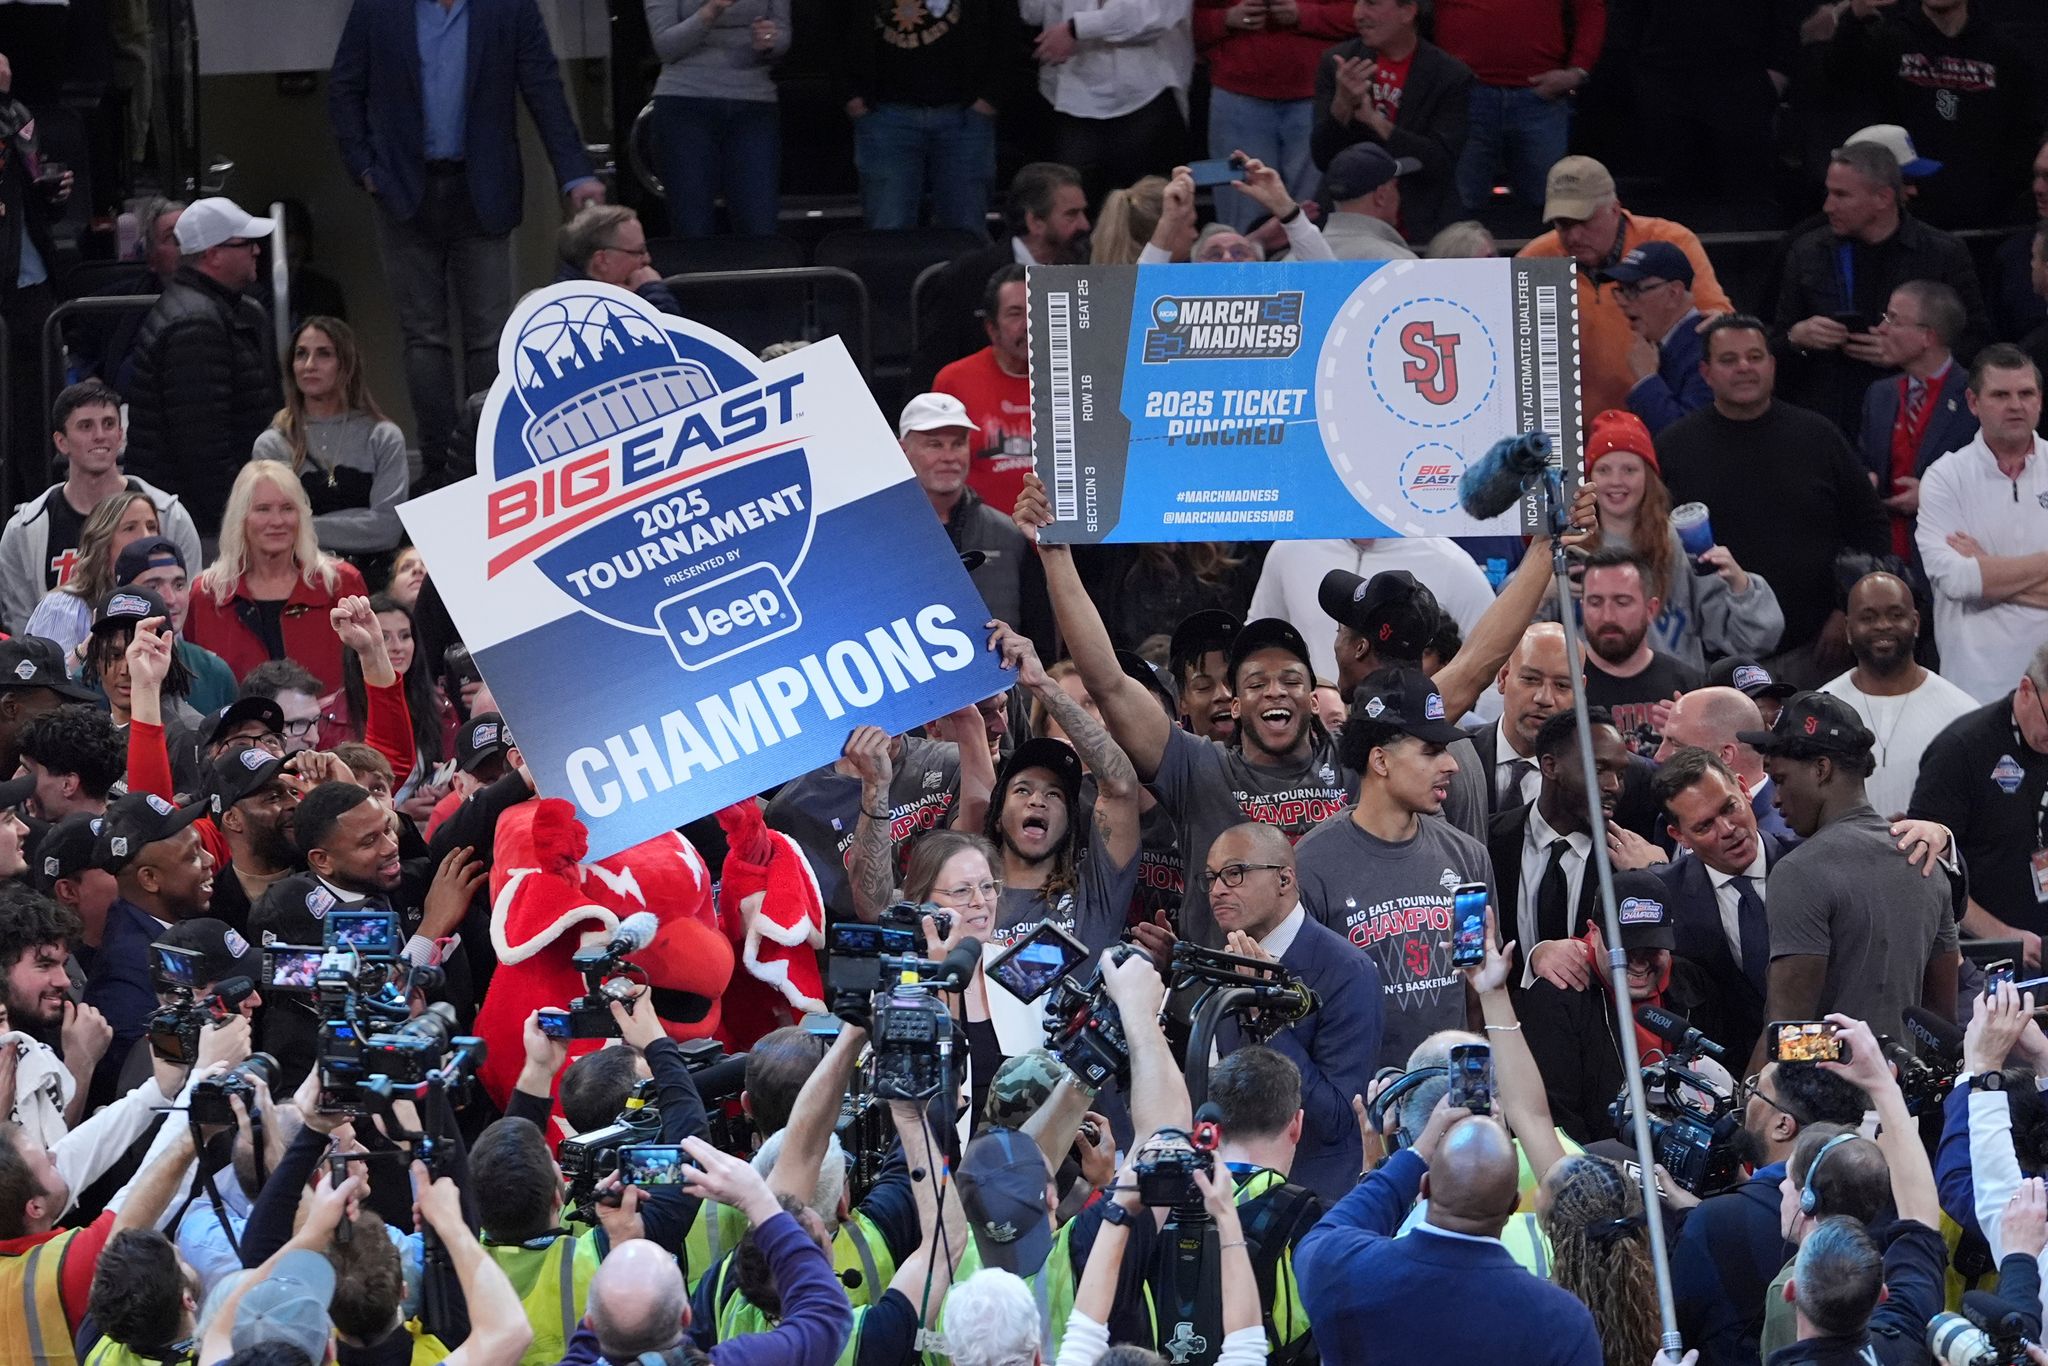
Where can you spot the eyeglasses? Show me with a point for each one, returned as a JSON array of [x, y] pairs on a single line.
[[1752, 1085], [1232, 874], [990, 892], [1639, 288], [299, 730], [1894, 320], [237, 244], [637, 253]]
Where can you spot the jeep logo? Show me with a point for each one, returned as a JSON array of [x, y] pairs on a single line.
[[721, 619]]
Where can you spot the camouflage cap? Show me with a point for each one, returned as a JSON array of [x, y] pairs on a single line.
[[1020, 1086]]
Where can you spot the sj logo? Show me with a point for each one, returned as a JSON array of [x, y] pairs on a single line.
[[1432, 370]]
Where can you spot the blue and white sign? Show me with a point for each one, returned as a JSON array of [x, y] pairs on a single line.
[[1299, 400], [688, 574]]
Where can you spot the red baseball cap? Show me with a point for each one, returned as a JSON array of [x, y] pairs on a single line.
[[1617, 429]]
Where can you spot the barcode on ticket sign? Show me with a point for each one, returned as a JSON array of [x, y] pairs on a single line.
[[1059, 361]]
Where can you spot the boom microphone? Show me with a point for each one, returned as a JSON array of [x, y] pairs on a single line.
[[1933, 1033], [957, 969], [1495, 481], [1676, 1031]]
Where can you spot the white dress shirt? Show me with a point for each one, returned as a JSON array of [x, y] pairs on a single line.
[[1130, 50], [1729, 900], [1536, 842], [1504, 763], [1282, 938]]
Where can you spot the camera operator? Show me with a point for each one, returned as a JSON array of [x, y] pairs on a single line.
[[164, 876], [220, 957], [2000, 1020], [1723, 1258], [143, 1302], [210, 1229], [50, 1269], [638, 1306], [1361, 1284], [45, 1088], [1255, 899], [1844, 1175], [1244, 1336]]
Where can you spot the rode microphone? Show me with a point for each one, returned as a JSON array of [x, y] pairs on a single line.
[[1676, 1031], [1494, 483], [1933, 1033]]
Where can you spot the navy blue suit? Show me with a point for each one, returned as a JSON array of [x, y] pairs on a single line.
[[1737, 1000], [1950, 427], [1678, 387], [1337, 1047], [121, 987], [373, 99]]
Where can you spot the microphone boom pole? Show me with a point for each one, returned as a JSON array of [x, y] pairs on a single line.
[[1617, 958]]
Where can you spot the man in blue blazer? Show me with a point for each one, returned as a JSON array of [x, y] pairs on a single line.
[[1653, 285], [1256, 900], [423, 97], [1913, 418], [1369, 1294]]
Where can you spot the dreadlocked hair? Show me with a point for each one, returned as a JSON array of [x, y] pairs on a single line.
[[1600, 1252]]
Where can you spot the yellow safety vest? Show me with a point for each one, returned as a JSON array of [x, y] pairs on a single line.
[[1286, 1320], [553, 1285], [33, 1329], [107, 1352], [1052, 1287], [738, 1316], [857, 1246], [427, 1350]]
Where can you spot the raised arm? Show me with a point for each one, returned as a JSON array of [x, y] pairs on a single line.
[[498, 1327], [1116, 782], [1499, 628], [1898, 1134], [1517, 1080], [808, 1135], [927, 1274], [1159, 1091], [871, 866], [1129, 711]]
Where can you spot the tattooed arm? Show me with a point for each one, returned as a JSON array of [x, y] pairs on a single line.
[[1116, 780], [872, 869]]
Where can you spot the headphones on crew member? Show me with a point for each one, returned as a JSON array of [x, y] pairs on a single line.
[[1404, 1082], [1809, 1198]]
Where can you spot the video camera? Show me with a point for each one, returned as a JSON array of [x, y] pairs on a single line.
[[1167, 1163], [1085, 1030], [1927, 1073], [874, 973], [368, 1033], [609, 975], [1696, 1147], [1989, 1332], [174, 1029], [589, 1158]]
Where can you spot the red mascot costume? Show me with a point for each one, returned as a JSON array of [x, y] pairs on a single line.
[[773, 913]]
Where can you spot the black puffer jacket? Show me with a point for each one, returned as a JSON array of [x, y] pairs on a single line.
[[205, 386]]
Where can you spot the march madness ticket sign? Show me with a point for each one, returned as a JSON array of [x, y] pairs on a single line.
[[1294, 400], [688, 574]]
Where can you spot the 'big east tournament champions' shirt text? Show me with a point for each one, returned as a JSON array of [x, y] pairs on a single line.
[[1394, 902], [1208, 787], [820, 809]]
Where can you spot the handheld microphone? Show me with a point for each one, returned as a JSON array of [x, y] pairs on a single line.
[[1494, 483], [1933, 1033], [957, 970], [1676, 1031]]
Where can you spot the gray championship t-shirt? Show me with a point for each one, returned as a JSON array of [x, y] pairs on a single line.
[[1093, 912], [1394, 902], [820, 810], [1847, 895], [1207, 788]]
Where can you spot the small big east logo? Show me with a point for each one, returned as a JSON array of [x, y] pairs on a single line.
[[1433, 370]]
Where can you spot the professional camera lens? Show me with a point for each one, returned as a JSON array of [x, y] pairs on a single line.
[[258, 1067], [433, 1028]]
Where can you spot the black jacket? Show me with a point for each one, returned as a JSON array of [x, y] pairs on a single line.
[[1430, 126], [205, 386], [23, 208], [1577, 1051], [1817, 285], [1737, 1016]]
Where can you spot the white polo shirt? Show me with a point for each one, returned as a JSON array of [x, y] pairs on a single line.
[[1985, 646]]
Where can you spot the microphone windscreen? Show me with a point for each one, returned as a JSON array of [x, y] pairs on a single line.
[[1493, 483], [639, 929]]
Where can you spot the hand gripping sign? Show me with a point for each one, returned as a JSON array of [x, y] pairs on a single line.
[[1298, 400], [686, 574]]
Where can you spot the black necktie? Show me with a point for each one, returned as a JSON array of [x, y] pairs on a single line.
[[1511, 791], [1550, 895], [1755, 930]]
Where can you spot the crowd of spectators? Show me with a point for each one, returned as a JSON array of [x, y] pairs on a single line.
[[1809, 557]]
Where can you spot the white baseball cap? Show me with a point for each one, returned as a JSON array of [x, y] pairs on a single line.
[[929, 413], [1899, 143], [210, 222]]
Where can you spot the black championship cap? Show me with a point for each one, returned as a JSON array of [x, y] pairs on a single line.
[[240, 774], [223, 953], [1639, 904], [1055, 756], [1407, 700], [16, 790], [127, 607], [1267, 633], [1212, 628], [138, 819], [1394, 613], [65, 849], [246, 709], [1002, 1181], [482, 738], [1748, 676], [1152, 676], [35, 662], [1813, 724]]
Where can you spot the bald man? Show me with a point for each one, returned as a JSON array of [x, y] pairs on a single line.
[[1904, 705], [1363, 1286], [1534, 683], [1708, 719]]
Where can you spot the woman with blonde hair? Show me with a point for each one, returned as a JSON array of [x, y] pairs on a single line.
[[330, 423], [1126, 223], [268, 592], [116, 522]]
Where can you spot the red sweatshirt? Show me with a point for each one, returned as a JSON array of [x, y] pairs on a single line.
[[1271, 63], [1505, 42]]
